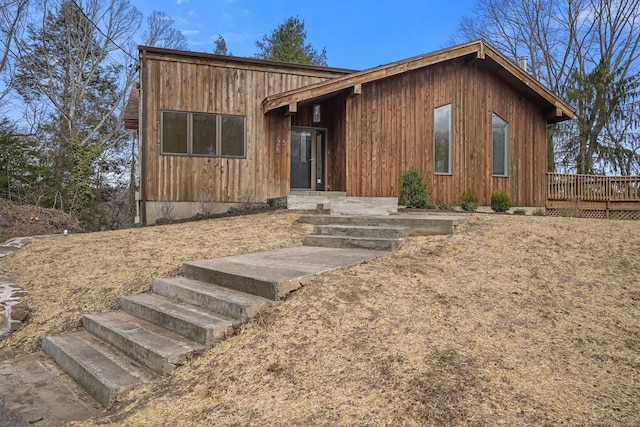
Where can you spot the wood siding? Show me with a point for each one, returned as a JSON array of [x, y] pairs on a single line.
[[389, 128], [179, 82]]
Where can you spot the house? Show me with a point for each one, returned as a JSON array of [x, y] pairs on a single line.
[[224, 130]]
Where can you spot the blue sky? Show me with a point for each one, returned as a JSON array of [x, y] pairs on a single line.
[[356, 34]]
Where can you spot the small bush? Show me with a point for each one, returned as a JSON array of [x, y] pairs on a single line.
[[262, 205], [519, 211], [232, 210], [469, 200], [247, 200], [207, 202], [539, 212], [413, 190], [500, 201]]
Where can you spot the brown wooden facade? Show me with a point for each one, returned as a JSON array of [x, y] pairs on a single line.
[[187, 81], [378, 123], [384, 124]]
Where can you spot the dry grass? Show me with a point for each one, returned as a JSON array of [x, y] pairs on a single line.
[[510, 321]]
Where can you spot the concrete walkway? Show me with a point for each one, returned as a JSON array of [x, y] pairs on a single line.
[[35, 392]]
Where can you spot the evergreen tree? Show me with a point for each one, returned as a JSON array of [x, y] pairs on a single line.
[[287, 44], [221, 46]]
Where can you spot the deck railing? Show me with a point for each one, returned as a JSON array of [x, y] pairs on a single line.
[[593, 196], [593, 188]]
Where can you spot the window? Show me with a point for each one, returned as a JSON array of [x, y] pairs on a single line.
[[203, 134], [500, 136], [442, 140]]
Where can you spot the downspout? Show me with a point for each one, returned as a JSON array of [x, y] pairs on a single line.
[[142, 125]]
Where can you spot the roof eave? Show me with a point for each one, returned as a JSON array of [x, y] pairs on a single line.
[[479, 48]]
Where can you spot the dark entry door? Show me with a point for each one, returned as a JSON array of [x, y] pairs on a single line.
[[308, 159]]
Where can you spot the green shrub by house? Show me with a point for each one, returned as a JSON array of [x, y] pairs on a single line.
[[500, 201], [413, 190], [469, 200]]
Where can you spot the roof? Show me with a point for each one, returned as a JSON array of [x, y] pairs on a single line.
[[245, 61], [492, 59]]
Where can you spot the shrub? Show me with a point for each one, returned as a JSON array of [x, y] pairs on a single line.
[[413, 190], [519, 211], [469, 200], [500, 201]]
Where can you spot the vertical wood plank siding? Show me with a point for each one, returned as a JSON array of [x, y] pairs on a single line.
[[177, 82], [390, 128]]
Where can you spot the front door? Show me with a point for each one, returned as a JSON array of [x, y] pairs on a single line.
[[308, 159]]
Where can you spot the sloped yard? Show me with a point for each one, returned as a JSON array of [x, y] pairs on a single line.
[[510, 321]]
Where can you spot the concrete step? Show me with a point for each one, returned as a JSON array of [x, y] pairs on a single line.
[[100, 370], [418, 225], [235, 276], [378, 244], [371, 231], [147, 344], [217, 299], [364, 206], [187, 320]]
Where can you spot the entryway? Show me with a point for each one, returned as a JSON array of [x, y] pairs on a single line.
[[308, 158]]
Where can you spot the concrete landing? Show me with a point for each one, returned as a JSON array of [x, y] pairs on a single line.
[[273, 274], [35, 392]]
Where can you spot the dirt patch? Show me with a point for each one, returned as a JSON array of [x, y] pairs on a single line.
[[510, 321], [27, 220]]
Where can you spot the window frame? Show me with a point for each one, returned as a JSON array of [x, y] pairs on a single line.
[[506, 142], [451, 140], [217, 137]]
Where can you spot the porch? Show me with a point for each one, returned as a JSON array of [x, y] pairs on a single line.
[[593, 196]]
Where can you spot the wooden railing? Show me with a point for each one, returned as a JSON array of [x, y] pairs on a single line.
[[593, 188]]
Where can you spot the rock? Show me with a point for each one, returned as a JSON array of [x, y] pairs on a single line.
[[3, 321], [15, 326], [19, 311]]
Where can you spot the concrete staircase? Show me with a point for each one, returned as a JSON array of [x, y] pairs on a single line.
[[374, 237], [378, 232], [182, 316], [151, 334]]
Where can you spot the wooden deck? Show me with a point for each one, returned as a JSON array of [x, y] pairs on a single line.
[[593, 196]]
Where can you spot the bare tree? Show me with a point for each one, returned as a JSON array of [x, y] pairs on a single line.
[[587, 51], [73, 66], [161, 32], [12, 13]]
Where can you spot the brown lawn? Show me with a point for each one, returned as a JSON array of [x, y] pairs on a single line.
[[511, 321]]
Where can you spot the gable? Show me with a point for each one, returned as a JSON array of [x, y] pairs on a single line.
[[555, 109]]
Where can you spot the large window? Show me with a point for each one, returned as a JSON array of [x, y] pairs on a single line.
[[203, 134], [443, 139], [500, 136]]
